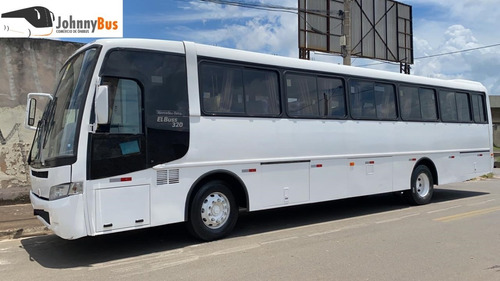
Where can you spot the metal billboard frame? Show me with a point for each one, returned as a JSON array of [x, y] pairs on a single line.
[[379, 29]]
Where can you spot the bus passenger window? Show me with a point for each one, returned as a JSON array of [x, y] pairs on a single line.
[[302, 94], [448, 106], [233, 90], [261, 92], [428, 104], [463, 108], [410, 103], [385, 98], [362, 100], [332, 97], [417, 103], [373, 100], [221, 89], [478, 108]]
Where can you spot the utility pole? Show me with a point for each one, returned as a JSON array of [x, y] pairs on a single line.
[[347, 33]]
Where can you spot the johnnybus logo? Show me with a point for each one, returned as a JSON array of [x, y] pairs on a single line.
[[60, 19], [84, 26]]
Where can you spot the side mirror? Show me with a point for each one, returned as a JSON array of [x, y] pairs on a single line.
[[31, 112], [29, 121], [101, 105]]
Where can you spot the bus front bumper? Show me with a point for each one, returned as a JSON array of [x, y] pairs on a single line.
[[65, 216]]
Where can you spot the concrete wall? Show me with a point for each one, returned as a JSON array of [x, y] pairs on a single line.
[[496, 134], [495, 118], [26, 65]]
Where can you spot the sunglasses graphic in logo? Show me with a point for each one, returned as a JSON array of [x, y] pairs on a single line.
[[34, 21]]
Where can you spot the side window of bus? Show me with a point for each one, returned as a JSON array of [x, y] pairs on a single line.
[[373, 100], [221, 89], [261, 92], [448, 106], [311, 96], [233, 90], [410, 103], [463, 107], [125, 101], [302, 95], [417, 103], [385, 99], [478, 108], [362, 100], [455, 107], [332, 97], [428, 104]]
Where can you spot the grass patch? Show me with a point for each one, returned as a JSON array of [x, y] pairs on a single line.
[[487, 176]]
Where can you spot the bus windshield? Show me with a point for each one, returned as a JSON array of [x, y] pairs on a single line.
[[56, 138]]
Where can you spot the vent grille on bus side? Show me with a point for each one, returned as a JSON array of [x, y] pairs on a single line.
[[167, 177]]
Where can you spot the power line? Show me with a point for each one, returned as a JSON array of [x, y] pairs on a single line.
[[258, 6], [461, 51], [293, 10], [268, 7], [441, 54], [277, 8]]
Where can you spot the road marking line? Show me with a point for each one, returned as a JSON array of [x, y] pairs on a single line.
[[482, 202], [325, 232], [397, 219], [468, 214], [338, 229], [279, 240], [235, 249], [445, 209]]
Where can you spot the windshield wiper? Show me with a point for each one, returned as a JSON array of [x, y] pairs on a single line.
[[47, 119], [36, 142]]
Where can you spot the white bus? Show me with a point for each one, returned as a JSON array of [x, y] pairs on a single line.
[[141, 133]]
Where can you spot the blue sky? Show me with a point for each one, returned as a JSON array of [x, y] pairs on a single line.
[[439, 27]]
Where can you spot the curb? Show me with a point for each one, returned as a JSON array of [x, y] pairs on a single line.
[[24, 233]]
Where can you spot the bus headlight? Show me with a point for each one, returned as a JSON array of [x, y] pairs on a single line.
[[64, 190]]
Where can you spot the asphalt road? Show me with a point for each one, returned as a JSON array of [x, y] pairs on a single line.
[[457, 237]]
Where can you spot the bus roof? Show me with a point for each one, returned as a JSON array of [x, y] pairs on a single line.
[[287, 62]]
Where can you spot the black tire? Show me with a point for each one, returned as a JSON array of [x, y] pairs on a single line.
[[213, 212], [421, 186]]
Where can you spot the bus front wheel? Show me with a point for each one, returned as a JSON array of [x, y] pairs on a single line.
[[421, 186], [213, 212]]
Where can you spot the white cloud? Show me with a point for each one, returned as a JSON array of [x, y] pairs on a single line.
[[199, 11], [439, 27], [459, 38], [480, 65], [241, 28]]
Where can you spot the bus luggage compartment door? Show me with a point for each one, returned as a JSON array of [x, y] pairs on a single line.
[[284, 183], [122, 207]]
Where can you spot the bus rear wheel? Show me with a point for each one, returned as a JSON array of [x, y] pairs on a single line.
[[213, 212], [421, 186]]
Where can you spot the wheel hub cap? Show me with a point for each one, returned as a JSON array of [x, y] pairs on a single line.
[[215, 210], [423, 185]]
